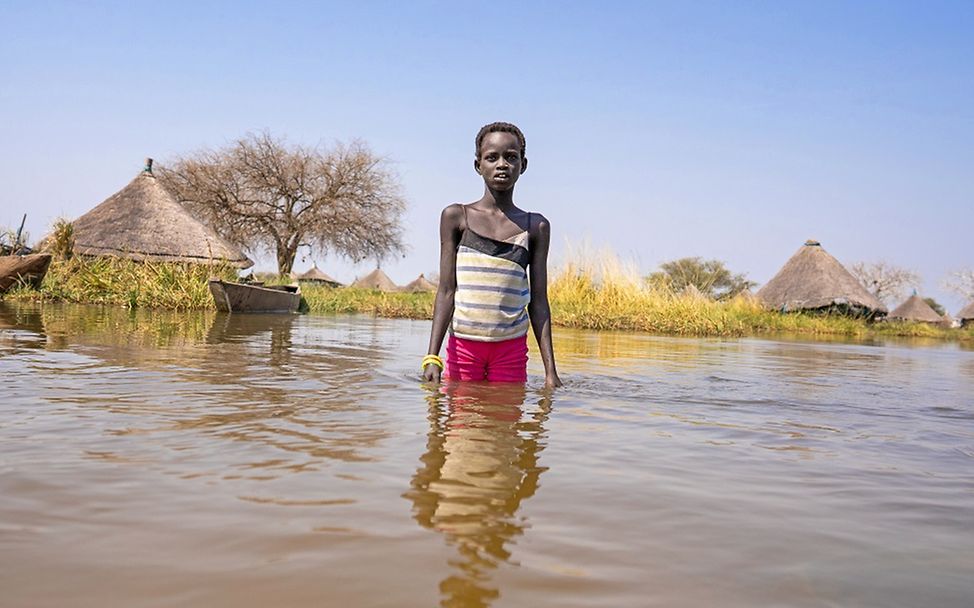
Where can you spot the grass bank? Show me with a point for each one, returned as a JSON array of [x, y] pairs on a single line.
[[122, 282], [394, 305], [602, 294]]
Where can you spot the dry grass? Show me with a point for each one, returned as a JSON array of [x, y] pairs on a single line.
[[397, 305], [597, 290], [128, 283], [60, 243], [593, 290]]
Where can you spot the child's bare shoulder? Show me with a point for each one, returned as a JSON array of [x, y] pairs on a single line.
[[452, 217], [539, 224], [452, 213]]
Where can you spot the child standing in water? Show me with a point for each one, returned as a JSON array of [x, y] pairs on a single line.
[[493, 275]]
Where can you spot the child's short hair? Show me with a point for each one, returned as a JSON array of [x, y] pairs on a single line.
[[500, 127]]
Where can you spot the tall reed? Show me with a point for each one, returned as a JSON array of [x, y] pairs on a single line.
[[398, 305], [128, 283], [597, 290], [590, 290], [60, 242]]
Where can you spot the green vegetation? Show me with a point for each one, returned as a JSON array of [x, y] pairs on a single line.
[[936, 306], [603, 294], [710, 277], [61, 240], [128, 283], [397, 305]]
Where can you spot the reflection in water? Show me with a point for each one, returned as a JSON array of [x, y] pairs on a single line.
[[241, 328], [256, 379], [264, 461], [20, 329], [61, 327], [481, 463]]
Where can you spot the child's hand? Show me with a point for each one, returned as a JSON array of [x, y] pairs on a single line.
[[431, 373]]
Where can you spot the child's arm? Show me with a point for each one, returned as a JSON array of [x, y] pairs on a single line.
[[450, 229], [538, 309]]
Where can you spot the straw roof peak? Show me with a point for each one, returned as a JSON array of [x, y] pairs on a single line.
[[812, 279], [915, 308], [420, 284], [377, 279], [143, 221]]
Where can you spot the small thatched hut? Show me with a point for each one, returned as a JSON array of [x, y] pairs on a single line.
[[315, 275], [420, 284], [814, 280], [143, 221], [915, 309], [376, 280], [966, 315]]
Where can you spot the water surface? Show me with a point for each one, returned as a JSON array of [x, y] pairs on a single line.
[[195, 459]]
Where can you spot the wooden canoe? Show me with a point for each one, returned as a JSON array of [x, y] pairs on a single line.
[[20, 269], [241, 297]]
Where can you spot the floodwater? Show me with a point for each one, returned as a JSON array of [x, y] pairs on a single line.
[[191, 459]]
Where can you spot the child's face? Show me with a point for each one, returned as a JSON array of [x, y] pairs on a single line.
[[500, 161]]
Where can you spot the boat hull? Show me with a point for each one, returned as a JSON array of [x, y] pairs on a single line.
[[18, 269], [239, 297]]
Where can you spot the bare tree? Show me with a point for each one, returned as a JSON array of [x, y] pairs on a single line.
[[961, 282], [887, 282], [264, 195]]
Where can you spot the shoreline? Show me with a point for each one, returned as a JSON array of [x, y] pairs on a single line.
[[578, 299]]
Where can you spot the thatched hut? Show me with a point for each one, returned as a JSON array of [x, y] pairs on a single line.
[[376, 280], [814, 280], [143, 221], [966, 315], [420, 284], [917, 310], [315, 275]]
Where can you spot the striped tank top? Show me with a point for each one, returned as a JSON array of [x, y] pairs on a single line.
[[492, 294]]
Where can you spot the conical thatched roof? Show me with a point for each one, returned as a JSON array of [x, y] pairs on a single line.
[[812, 279], [143, 221], [915, 309], [966, 313], [421, 283], [315, 275], [376, 280]]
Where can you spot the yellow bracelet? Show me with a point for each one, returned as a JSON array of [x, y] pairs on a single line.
[[434, 359]]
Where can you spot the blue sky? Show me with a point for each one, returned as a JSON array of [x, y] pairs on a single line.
[[727, 130]]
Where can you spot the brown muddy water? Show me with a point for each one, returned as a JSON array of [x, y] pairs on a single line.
[[191, 459]]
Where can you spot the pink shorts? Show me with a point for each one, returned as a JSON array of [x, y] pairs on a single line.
[[505, 361]]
